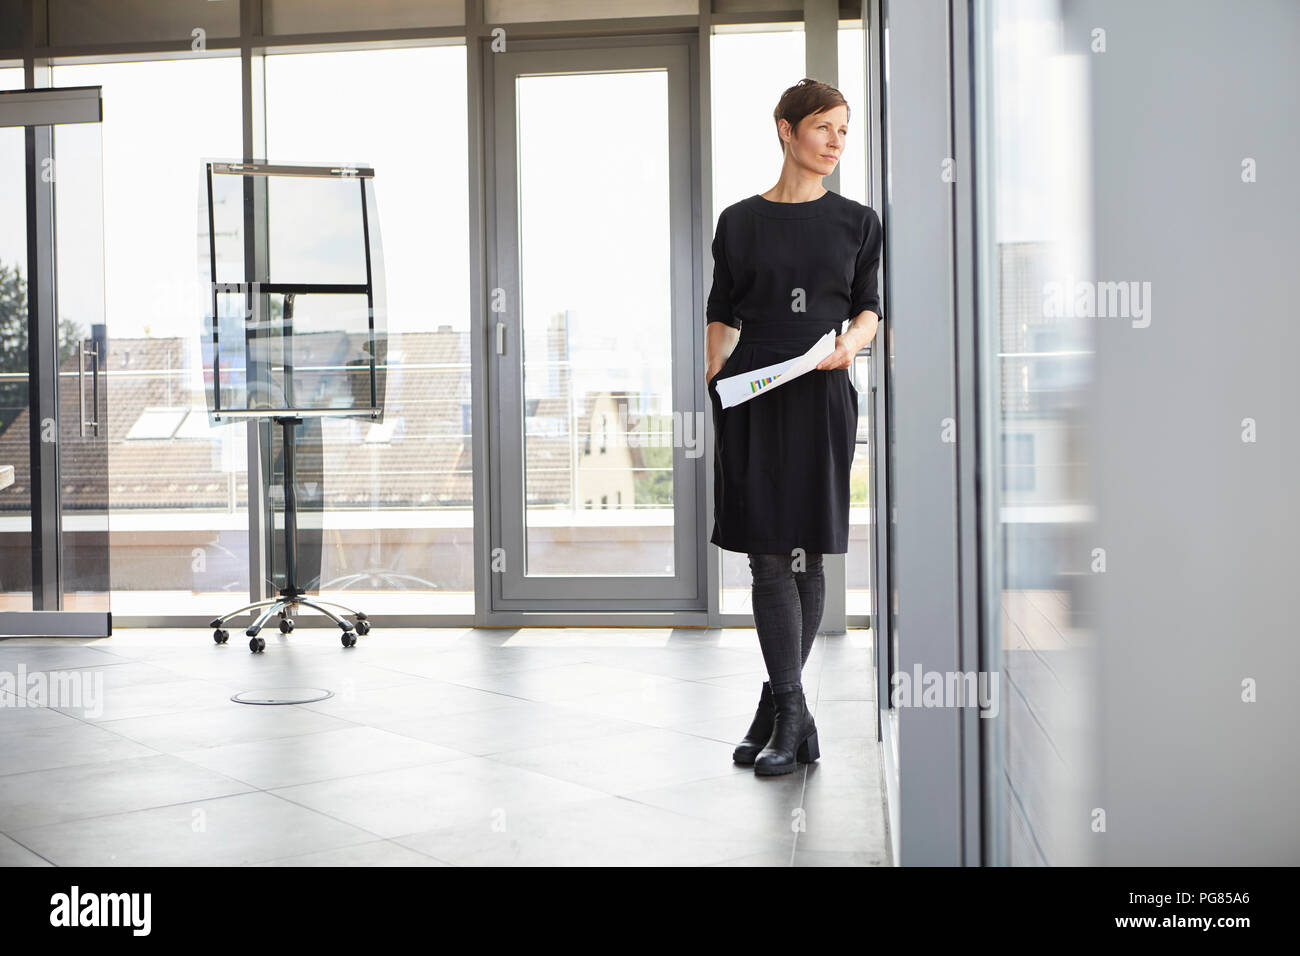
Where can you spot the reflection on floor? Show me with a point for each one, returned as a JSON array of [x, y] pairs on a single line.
[[439, 747]]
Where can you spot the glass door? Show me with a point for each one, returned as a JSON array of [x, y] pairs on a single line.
[[54, 569], [15, 422], [598, 430]]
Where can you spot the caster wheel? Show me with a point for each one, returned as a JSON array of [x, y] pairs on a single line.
[[349, 639], [257, 644], [363, 626], [220, 635], [286, 625]]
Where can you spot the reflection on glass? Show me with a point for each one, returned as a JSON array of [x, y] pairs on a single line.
[[853, 167], [15, 422], [596, 320], [395, 514], [1037, 357], [177, 489], [83, 353]]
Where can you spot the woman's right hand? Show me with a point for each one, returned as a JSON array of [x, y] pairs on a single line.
[[713, 369]]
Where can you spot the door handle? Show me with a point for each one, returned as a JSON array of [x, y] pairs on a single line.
[[501, 338], [81, 386], [94, 385], [85, 423]]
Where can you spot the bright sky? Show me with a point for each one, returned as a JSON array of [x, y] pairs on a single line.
[[13, 165]]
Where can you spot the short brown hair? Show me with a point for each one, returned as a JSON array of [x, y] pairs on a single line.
[[806, 96]]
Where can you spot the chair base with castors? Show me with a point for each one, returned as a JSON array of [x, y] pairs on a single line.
[[285, 606], [291, 597]]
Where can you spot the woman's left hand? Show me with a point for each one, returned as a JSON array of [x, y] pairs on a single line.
[[842, 357]]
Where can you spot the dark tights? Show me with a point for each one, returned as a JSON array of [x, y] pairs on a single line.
[[788, 597]]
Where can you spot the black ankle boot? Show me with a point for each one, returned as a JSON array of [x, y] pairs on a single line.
[[760, 731], [794, 737]]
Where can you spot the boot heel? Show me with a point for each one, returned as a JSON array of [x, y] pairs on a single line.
[[808, 750]]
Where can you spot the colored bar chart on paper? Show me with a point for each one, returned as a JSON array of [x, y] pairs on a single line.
[[735, 389]]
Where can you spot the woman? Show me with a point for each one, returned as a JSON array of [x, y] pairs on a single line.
[[788, 266]]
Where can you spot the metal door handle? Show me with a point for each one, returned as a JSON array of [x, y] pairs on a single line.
[[501, 338], [81, 386], [93, 423], [94, 385]]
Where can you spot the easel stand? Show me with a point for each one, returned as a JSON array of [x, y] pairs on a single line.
[[291, 596]]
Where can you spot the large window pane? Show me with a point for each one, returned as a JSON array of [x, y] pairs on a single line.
[[596, 321], [1037, 360], [853, 168], [177, 489], [389, 510], [15, 424]]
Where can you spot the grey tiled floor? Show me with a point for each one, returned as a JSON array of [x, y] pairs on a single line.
[[458, 747]]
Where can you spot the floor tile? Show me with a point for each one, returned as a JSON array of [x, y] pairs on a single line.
[[624, 763], [230, 831], [96, 789], [766, 807], [676, 704], [840, 818], [837, 858], [567, 681], [470, 792], [143, 700], [777, 857], [64, 746], [228, 723], [608, 832], [379, 853], [306, 758], [15, 854], [520, 726], [388, 705]]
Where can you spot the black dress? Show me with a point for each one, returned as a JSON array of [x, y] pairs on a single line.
[[785, 274]]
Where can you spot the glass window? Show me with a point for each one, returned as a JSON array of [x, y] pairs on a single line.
[[854, 166], [596, 363], [1032, 112], [15, 436], [157, 423], [855, 160], [751, 68], [179, 523], [396, 499]]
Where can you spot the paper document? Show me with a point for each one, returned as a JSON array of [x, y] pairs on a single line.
[[735, 389]]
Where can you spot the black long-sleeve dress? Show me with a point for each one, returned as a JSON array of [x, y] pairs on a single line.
[[785, 274]]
